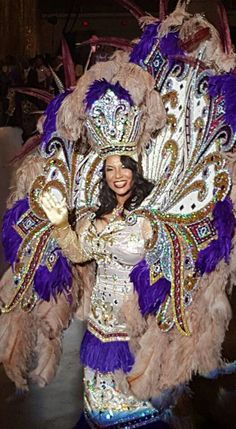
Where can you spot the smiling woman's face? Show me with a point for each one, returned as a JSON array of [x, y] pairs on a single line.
[[118, 177]]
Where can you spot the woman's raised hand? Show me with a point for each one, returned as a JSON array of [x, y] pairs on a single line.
[[56, 211]]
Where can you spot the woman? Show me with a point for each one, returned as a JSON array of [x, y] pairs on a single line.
[[116, 246], [136, 346]]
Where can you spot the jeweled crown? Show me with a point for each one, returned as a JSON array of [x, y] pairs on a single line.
[[112, 121]]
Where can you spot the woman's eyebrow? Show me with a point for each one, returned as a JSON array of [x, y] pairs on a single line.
[[114, 165]]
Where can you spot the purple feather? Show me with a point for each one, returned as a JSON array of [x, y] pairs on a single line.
[[224, 222], [169, 47], [49, 125], [10, 239], [226, 86], [150, 296], [48, 284], [99, 87], [144, 46], [105, 357]]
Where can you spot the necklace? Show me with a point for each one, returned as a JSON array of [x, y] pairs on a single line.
[[116, 213]]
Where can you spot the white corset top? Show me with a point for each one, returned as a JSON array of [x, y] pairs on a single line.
[[116, 250]]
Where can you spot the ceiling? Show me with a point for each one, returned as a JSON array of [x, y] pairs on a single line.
[[73, 10], [112, 6], [91, 6]]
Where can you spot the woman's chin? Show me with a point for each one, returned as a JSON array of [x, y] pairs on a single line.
[[122, 192]]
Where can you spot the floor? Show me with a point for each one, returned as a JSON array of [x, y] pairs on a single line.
[[210, 405], [56, 406]]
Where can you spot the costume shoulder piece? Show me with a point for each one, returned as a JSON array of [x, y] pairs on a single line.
[[179, 122], [40, 270], [171, 105], [189, 207]]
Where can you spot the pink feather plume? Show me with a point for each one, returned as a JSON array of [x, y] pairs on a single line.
[[69, 67], [40, 94], [132, 8], [224, 31], [163, 8], [116, 42]]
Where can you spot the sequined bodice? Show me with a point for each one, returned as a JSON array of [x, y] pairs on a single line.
[[116, 250]]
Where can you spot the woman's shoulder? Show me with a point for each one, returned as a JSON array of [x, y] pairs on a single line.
[[142, 222]]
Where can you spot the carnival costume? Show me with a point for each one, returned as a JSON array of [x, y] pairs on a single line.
[[158, 310]]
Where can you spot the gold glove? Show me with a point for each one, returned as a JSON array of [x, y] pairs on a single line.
[[56, 210]]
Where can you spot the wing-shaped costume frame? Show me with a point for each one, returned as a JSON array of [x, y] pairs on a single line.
[[189, 208]]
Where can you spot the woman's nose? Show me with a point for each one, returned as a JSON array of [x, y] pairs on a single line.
[[118, 172]]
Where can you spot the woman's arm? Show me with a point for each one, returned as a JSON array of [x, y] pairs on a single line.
[[71, 242], [147, 231]]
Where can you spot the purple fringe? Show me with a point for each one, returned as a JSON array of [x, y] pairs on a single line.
[[226, 86], [10, 239], [99, 87], [150, 296], [224, 222], [105, 357], [144, 46], [49, 125], [169, 47], [48, 284]]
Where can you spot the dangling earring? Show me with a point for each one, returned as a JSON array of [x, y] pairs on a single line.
[[133, 202]]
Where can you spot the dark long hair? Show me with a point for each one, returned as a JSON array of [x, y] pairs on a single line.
[[141, 189]]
